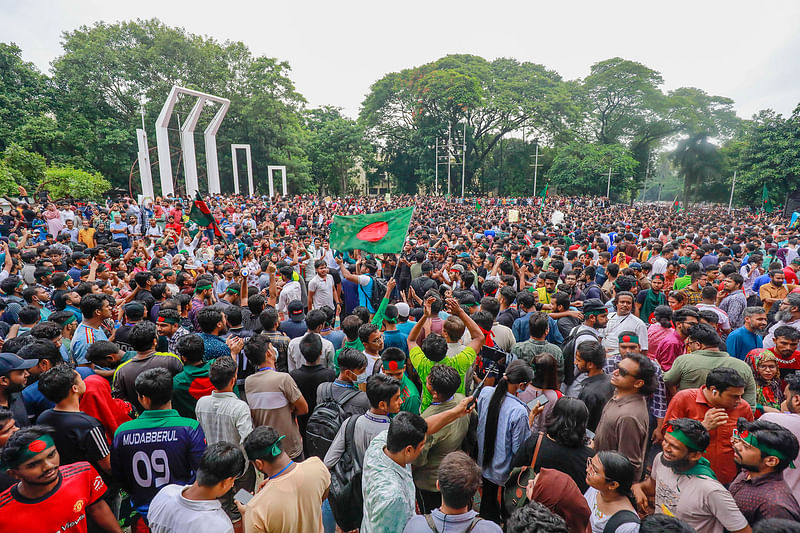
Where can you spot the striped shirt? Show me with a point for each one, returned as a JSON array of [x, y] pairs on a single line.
[[84, 337], [271, 395], [224, 417]]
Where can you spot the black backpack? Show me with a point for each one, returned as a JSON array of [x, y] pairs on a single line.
[[619, 518], [568, 350], [347, 502], [378, 290], [325, 421]]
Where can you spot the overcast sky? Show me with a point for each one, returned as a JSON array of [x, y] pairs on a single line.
[[741, 49]]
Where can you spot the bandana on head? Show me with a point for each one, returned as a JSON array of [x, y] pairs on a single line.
[[752, 440], [629, 338], [30, 451], [683, 438], [168, 320], [270, 452], [393, 366], [201, 288], [231, 290], [69, 321]]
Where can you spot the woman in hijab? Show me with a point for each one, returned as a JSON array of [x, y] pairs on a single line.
[[769, 393]]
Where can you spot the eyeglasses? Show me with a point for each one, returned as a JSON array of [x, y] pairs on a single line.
[[592, 470], [623, 372]]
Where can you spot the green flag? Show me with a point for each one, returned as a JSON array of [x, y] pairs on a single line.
[[543, 194], [201, 215], [765, 203], [377, 233], [477, 205], [676, 205]]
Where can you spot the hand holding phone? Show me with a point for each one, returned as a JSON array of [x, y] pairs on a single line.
[[243, 497], [539, 400]]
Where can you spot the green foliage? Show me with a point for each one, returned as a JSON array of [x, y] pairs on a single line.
[[29, 166], [9, 179], [582, 168], [24, 92], [336, 146], [62, 182], [699, 162]]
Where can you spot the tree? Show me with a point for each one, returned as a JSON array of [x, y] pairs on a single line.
[[28, 168], [699, 161], [24, 92], [62, 182], [582, 168], [336, 146]]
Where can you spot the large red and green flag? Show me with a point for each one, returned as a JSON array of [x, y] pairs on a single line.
[[543, 195], [377, 233], [765, 202], [676, 205], [201, 215]]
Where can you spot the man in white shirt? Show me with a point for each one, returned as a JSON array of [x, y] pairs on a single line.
[[315, 319], [660, 261], [623, 320], [196, 508], [321, 289], [289, 292]]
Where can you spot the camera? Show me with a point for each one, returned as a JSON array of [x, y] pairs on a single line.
[[245, 273]]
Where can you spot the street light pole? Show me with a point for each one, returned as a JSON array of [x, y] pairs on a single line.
[[535, 166], [733, 186], [449, 154], [608, 185], [437, 166]]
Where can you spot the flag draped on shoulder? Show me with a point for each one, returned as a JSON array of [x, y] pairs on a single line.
[[377, 233], [201, 215]]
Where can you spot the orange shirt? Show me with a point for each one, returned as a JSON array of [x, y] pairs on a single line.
[[691, 403]]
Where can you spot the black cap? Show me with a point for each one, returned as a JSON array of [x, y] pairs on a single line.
[[594, 306], [296, 313]]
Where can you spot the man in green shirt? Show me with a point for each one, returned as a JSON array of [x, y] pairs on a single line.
[[393, 364], [434, 347], [529, 349]]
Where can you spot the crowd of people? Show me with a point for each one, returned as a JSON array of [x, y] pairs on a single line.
[[577, 366]]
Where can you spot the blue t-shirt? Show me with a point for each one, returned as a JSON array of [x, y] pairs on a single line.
[[84, 337], [740, 341], [36, 403], [396, 339]]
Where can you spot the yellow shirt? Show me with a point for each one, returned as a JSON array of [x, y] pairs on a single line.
[[290, 502], [86, 236]]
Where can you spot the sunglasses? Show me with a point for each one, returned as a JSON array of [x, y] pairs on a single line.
[[623, 372]]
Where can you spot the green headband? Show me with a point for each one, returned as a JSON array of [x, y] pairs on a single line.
[[27, 453], [202, 288], [393, 366], [682, 437], [232, 291], [390, 320], [271, 452], [752, 440], [70, 320], [168, 320], [629, 338]]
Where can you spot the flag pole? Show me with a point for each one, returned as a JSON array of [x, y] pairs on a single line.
[[733, 186]]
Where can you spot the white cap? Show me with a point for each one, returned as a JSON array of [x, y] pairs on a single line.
[[402, 309]]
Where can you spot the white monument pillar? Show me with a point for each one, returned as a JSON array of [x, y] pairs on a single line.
[[246, 148], [187, 142], [270, 170], [144, 164]]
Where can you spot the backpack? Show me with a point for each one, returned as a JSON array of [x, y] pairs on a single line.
[[619, 518], [378, 290], [432, 525], [325, 421], [568, 350], [347, 502]]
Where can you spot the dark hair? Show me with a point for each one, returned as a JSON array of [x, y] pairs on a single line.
[[723, 378], [172, 314], [647, 372], [776, 525], [793, 382], [9, 285], [311, 347], [269, 318], [142, 336], [59, 318], [159, 290], [256, 349], [526, 299], [538, 323], [314, 319], [683, 313], [351, 359], [381, 388], [221, 461], [661, 523], [99, 350], [191, 348], [704, 334], [736, 278], [21, 440], [256, 303], [787, 332], [46, 330], [693, 429], [350, 326], [507, 293], [222, 371], [619, 468], [535, 518], [362, 313], [260, 439], [484, 319], [406, 429], [365, 330], [593, 352], [156, 385], [517, 372], [445, 380], [208, 318], [491, 305], [41, 349], [234, 315], [459, 478], [545, 371], [566, 423], [56, 383], [29, 315], [434, 346], [330, 315], [90, 304], [773, 436]]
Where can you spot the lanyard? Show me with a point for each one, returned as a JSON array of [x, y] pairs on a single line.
[[265, 368], [282, 471], [342, 385], [380, 421], [440, 403]]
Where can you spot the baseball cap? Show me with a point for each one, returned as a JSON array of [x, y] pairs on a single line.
[[402, 309], [594, 306], [457, 268], [296, 313], [635, 266], [10, 361]]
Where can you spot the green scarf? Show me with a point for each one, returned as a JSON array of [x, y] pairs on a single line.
[[651, 301], [701, 468]]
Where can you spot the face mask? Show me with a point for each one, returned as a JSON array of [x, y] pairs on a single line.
[[361, 378]]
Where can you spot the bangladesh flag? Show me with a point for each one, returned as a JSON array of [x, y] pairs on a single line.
[[765, 203], [201, 215], [676, 205], [543, 194], [377, 233]]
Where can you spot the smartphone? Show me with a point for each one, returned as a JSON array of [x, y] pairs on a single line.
[[539, 400], [590, 434], [243, 497]]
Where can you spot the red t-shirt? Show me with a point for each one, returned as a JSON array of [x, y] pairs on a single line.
[[64, 509], [791, 275]]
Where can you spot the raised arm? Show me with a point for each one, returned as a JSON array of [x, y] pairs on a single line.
[[420, 325], [478, 338]]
